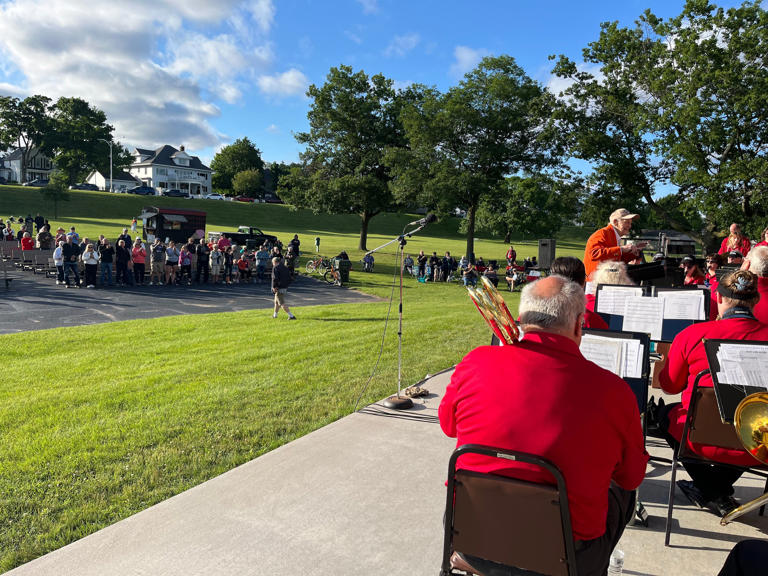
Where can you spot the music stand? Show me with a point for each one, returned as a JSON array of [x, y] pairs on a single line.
[[730, 393]]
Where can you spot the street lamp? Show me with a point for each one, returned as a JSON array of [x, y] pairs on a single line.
[[110, 163]]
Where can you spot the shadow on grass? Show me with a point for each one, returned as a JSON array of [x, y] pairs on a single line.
[[377, 319]]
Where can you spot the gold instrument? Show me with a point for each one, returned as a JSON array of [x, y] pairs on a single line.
[[751, 422], [494, 310]]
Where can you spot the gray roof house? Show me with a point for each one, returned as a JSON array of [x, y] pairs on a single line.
[[168, 167]]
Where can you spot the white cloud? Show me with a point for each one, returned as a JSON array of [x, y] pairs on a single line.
[[401, 45], [156, 67], [289, 83], [465, 59], [369, 6], [273, 129], [354, 37], [557, 85]]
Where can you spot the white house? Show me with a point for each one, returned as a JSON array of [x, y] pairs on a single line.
[[168, 167], [121, 180], [38, 166]]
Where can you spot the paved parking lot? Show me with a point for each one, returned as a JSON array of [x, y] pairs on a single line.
[[34, 303]]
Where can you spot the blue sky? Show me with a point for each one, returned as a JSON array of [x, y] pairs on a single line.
[[204, 74]]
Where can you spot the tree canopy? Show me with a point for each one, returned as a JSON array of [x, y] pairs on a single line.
[[239, 156], [23, 124], [464, 143], [247, 183]]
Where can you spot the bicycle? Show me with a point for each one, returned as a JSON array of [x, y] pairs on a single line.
[[318, 264], [332, 275]]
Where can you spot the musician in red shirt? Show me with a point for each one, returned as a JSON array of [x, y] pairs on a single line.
[[735, 241], [758, 264], [763, 238], [712, 485], [543, 397]]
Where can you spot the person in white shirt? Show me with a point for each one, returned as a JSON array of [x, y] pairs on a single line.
[[91, 260]]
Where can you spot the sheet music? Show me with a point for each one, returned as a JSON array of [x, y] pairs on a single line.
[[611, 298], [632, 359], [605, 352], [743, 365], [644, 314], [683, 304]]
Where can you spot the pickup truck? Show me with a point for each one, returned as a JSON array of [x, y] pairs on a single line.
[[248, 236]]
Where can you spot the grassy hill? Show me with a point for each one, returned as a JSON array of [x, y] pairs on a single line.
[[100, 422]]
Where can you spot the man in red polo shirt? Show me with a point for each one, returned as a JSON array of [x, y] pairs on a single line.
[[758, 264], [711, 485], [543, 397]]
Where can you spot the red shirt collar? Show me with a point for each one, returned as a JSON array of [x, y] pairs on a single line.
[[554, 341]]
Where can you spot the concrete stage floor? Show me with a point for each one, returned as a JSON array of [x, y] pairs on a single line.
[[362, 496]]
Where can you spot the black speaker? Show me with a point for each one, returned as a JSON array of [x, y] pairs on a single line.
[[546, 252]]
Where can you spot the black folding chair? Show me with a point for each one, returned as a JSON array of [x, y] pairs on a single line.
[[525, 525], [703, 425]]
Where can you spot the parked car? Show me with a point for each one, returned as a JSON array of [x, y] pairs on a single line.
[[213, 197], [37, 183], [142, 190], [176, 193], [244, 199], [84, 186]]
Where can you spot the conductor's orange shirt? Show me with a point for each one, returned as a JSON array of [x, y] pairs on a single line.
[[601, 246]]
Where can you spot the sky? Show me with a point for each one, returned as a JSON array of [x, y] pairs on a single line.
[[202, 74]]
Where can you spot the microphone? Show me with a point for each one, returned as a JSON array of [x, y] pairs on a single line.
[[424, 221]]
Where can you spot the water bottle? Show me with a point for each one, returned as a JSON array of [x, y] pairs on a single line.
[[616, 564]]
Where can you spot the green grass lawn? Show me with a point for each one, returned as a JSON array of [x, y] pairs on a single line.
[[100, 422]]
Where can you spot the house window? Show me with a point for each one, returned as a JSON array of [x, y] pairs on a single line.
[[162, 171]]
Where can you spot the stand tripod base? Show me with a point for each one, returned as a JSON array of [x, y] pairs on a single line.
[[398, 403]]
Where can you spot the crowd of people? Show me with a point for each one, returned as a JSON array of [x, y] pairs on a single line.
[[532, 396]]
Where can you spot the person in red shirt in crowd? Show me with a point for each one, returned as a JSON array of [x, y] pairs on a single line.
[[693, 274], [758, 259], [712, 485], [543, 397], [573, 269], [735, 241], [605, 243], [764, 241], [26, 242], [711, 282]]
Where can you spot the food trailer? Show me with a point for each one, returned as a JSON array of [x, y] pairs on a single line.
[[172, 224]]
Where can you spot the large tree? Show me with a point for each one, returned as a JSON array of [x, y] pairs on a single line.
[[23, 124], [74, 141], [680, 102], [464, 143], [236, 157], [531, 206], [353, 119]]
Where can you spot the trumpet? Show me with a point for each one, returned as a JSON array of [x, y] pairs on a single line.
[[494, 311], [751, 422]]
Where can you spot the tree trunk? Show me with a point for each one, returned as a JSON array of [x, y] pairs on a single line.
[[673, 223], [471, 212], [23, 171], [507, 235], [366, 218]]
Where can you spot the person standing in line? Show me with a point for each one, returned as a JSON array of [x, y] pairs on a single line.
[[126, 237], [107, 256], [216, 259], [139, 257], [44, 239], [185, 265], [262, 257], [156, 262], [122, 258], [91, 261], [58, 261], [71, 253], [229, 262], [171, 263], [281, 278], [203, 261]]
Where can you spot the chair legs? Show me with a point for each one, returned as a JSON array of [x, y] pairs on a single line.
[[671, 501], [762, 508]]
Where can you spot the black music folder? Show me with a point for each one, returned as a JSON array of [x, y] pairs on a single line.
[[628, 358], [738, 369]]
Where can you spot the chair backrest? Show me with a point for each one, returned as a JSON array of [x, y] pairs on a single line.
[[706, 426], [512, 522]]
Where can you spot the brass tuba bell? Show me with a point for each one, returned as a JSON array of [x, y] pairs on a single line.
[[494, 310], [751, 422]]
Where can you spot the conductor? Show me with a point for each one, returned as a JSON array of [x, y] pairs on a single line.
[[605, 243]]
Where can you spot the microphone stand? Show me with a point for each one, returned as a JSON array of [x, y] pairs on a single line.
[[399, 402]]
